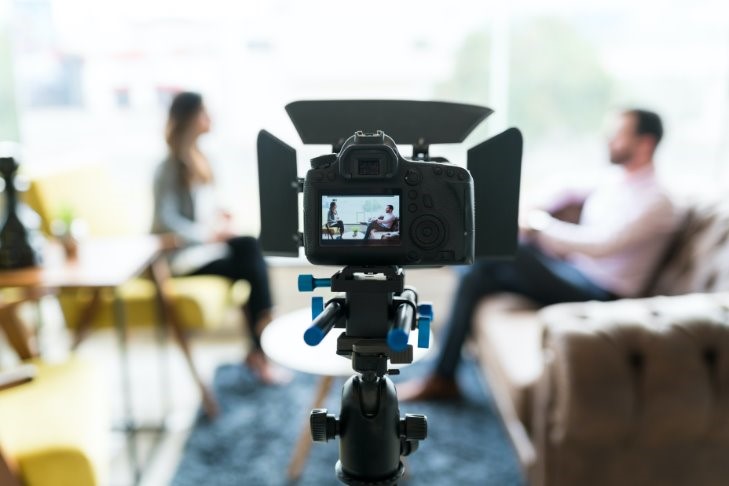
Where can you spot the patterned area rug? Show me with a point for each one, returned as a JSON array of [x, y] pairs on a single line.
[[251, 442]]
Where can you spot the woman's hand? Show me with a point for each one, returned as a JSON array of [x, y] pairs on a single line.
[[222, 235], [225, 215], [223, 227]]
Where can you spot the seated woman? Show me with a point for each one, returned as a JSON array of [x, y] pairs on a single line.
[[184, 206], [333, 220]]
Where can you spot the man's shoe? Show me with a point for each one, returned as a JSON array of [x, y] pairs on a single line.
[[431, 388]]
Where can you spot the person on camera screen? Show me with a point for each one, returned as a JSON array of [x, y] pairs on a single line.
[[383, 222], [333, 220]]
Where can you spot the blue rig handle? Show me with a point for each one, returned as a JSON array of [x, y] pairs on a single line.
[[307, 283], [397, 339], [425, 317]]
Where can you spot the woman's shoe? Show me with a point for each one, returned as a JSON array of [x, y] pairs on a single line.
[[266, 372]]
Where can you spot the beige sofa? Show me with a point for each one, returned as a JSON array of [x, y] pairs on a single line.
[[631, 392]]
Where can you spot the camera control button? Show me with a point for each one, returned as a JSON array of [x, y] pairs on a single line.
[[428, 232], [413, 256], [438, 170], [450, 172], [323, 161], [427, 201], [446, 255], [462, 175], [412, 177], [413, 208], [413, 194]]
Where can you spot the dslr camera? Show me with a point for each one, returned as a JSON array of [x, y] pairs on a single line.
[[397, 211]]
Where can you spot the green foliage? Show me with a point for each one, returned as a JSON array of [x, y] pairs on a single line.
[[556, 83], [66, 214]]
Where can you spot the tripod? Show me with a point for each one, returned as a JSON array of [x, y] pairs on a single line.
[[377, 313]]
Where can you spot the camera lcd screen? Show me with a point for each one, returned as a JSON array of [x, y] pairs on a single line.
[[372, 220]]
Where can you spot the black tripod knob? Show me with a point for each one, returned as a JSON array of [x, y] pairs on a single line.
[[323, 425], [414, 426]]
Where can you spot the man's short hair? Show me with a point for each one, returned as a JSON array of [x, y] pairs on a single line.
[[391, 206], [647, 123]]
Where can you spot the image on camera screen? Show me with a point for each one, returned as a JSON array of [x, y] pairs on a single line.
[[360, 220]]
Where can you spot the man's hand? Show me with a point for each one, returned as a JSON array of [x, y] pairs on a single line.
[[532, 222]]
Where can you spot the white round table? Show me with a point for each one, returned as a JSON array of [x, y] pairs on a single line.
[[283, 342]]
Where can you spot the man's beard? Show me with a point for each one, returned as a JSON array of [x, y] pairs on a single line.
[[620, 158]]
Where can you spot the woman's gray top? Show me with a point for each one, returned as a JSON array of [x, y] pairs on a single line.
[[187, 212]]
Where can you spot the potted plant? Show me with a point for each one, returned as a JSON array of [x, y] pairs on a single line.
[[68, 229]]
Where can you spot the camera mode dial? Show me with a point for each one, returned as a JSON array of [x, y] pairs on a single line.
[[323, 161]]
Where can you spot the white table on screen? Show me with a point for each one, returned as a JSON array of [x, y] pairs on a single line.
[[283, 342]]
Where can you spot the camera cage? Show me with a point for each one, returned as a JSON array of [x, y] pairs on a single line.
[[416, 123], [495, 164]]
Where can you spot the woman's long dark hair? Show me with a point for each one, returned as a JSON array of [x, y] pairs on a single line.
[[185, 107]]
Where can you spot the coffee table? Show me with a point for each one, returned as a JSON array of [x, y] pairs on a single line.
[[283, 342]]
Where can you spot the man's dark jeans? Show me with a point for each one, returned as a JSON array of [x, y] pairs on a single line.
[[531, 273]]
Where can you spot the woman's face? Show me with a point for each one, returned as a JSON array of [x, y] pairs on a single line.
[[201, 123]]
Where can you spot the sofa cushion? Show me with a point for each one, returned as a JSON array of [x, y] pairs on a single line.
[[651, 372], [508, 335], [200, 301], [698, 258]]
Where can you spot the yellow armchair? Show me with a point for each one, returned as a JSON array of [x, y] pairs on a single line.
[[92, 196], [55, 429], [54, 418]]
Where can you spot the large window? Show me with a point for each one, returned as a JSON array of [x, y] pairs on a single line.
[[93, 79]]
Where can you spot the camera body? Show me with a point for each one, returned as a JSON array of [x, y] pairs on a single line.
[[368, 205]]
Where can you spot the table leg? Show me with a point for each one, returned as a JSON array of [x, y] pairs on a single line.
[[164, 364], [83, 326], [160, 274], [7, 474], [16, 333], [129, 427], [303, 445]]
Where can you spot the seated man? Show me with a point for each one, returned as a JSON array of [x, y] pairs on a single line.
[[624, 228], [383, 223]]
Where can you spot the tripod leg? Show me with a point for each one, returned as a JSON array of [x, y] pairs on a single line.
[[303, 445]]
